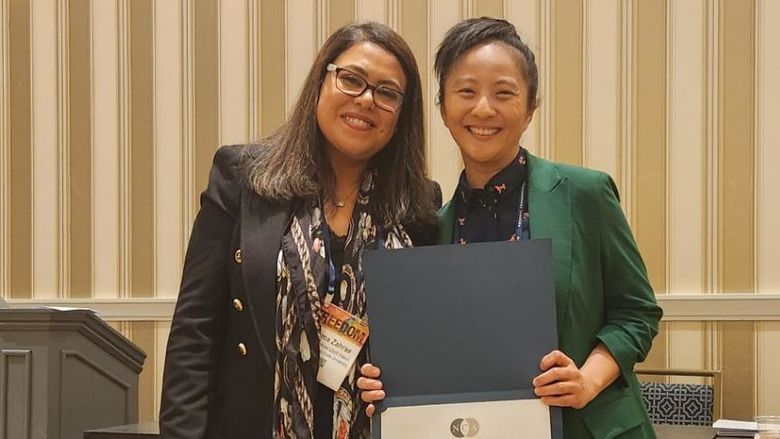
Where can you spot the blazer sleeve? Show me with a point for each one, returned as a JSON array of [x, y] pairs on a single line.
[[631, 312], [197, 328]]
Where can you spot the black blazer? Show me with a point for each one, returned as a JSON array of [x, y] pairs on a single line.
[[218, 374]]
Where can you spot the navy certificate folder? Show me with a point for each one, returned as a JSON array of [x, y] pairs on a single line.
[[461, 323]]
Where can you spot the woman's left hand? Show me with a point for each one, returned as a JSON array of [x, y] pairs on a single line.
[[562, 383]]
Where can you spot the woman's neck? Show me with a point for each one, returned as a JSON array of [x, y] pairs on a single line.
[[347, 173], [347, 176], [479, 173], [347, 179]]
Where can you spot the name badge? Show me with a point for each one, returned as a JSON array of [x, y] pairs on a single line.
[[341, 338]]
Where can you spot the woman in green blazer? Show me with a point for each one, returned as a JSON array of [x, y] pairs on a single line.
[[606, 310]]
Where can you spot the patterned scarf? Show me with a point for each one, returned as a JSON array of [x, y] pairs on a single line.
[[301, 281]]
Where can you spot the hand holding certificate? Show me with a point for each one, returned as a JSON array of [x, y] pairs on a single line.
[[459, 332]]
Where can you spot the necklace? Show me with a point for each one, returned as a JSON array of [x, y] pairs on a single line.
[[342, 203]]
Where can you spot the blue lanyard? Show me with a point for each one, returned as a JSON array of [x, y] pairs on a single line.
[[522, 231], [522, 228], [380, 238], [332, 280]]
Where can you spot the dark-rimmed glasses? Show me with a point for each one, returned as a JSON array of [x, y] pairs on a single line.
[[354, 84]]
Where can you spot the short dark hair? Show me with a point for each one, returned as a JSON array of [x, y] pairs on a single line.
[[291, 162], [478, 31]]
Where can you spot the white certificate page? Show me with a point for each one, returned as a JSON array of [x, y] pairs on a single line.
[[523, 418]]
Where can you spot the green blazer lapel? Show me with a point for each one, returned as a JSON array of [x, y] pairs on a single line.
[[551, 217], [446, 222]]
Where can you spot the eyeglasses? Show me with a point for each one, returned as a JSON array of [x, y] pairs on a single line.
[[353, 84]]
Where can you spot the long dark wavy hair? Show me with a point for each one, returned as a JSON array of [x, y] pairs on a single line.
[[291, 163]]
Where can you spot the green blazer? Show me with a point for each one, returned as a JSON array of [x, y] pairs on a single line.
[[601, 288]]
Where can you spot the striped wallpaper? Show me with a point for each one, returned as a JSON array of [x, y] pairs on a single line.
[[110, 111]]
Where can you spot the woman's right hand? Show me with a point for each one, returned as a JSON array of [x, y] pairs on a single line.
[[370, 386]]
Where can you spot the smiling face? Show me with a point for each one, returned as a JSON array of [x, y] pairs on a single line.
[[485, 105], [355, 129]]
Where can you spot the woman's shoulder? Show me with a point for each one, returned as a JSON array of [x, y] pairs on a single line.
[[571, 172], [580, 178], [229, 156], [228, 165], [226, 177]]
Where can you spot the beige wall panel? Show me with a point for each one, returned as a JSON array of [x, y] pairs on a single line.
[[443, 154], [686, 113], [206, 88], [649, 149], [686, 192], [80, 148], [412, 22], [713, 140], [168, 150], [626, 178], [20, 94], [301, 28], [659, 353], [413, 27], [273, 72], [162, 330], [124, 102], [191, 193], [143, 335], [373, 10], [488, 8], [545, 63], [466, 8], [45, 151], [601, 77], [566, 98], [687, 348], [736, 204], [767, 378], [142, 147], [737, 153], [126, 329], [340, 12], [4, 148], [526, 15], [254, 54], [233, 72], [738, 364], [712, 345], [105, 137], [768, 150], [206, 76]]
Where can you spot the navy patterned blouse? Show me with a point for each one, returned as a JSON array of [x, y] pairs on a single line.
[[491, 213]]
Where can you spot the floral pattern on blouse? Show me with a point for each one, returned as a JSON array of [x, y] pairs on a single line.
[[491, 213]]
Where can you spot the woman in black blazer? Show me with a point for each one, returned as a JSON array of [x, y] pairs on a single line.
[[278, 240]]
